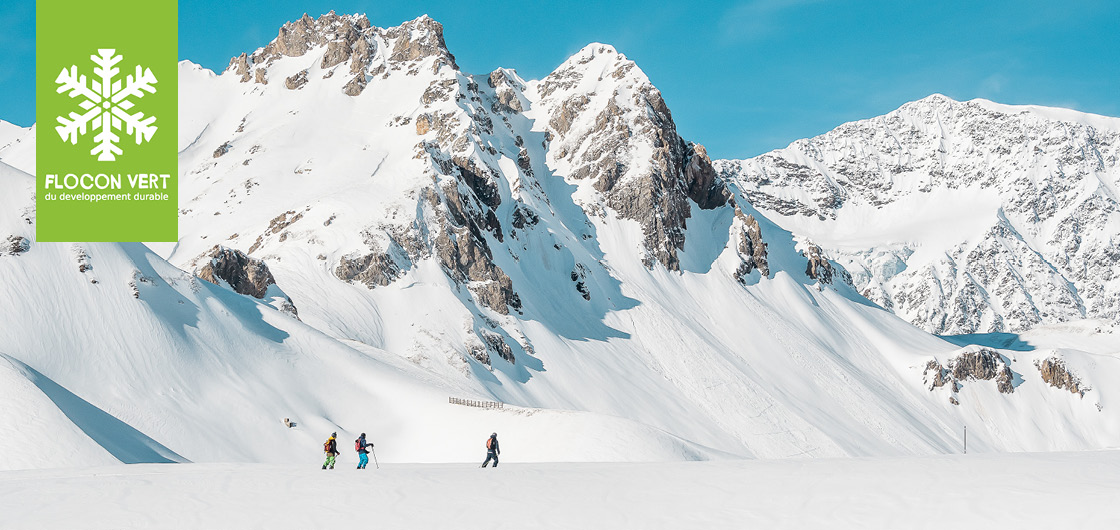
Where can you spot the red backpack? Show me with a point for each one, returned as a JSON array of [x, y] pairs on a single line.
[[358, 445]]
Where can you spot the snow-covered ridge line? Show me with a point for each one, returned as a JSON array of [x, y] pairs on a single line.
[[961, 217]]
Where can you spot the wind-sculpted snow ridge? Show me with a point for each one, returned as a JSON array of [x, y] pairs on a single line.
[[961, 217]]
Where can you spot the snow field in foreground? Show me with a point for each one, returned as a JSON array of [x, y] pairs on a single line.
[[1025, 490]]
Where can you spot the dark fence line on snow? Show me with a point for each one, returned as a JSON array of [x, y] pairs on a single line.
[[476, 403]]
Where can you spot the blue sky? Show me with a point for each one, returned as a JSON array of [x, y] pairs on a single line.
[[740, 77]]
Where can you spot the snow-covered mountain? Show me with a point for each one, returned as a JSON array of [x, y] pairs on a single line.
[[961, 217], [366, 230]]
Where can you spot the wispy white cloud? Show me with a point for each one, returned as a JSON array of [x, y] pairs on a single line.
[[756, 19], [992, 85]]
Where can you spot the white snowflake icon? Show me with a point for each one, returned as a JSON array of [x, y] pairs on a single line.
[[106, 104]]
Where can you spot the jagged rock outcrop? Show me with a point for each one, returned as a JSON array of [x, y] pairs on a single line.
[[277, 226], [982, 364], [338, 52], [348, 38], [355, 86], [420, 39], [296, 81], [702, 184], [1056, 374], [506, 92], [1033, 187], [467, 259], [14, 245], [579, 276], [370, 269], [244, 274], [497, 344], [523, 217], [241, 67], [818, 267], [602, 110], [747, 237], [382, 267]]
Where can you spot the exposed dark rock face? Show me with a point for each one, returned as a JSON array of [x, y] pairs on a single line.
[[296, 81], [523, 216], [15, 245], [298, 37], [495, 343], [479, 352], [277, 226], [1055, 372], [459, 224], [349, 38], [701, 180], [244, 274], [598, 134], [579, 275], [241, 63], [374, 269], [983, 364], [338, 52], [505, 92], [439, 90], [361, 53], [419, 39], [747, 236], [818, 268], [466, 258], [355, 86]]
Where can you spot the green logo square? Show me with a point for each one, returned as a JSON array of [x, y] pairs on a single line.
[[107, 113]]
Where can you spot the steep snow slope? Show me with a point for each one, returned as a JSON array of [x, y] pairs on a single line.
[[50, 438], [112, 354], [971, 492], [961, 217], [556, 244]]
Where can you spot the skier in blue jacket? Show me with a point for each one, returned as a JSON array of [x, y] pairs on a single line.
[[362, 446]]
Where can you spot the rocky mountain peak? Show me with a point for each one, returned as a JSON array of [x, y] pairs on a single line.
[[1013, 210], [340, 39], [418, 39], [611, 127]]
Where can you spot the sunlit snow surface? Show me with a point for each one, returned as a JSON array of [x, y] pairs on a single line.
[[118, 353], [1023, 491]]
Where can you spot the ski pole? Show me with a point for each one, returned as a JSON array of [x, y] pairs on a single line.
[[374, 450]]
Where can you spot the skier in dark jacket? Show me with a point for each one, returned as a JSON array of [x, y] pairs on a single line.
[[492, 450], [331, 448], [362, 446]]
